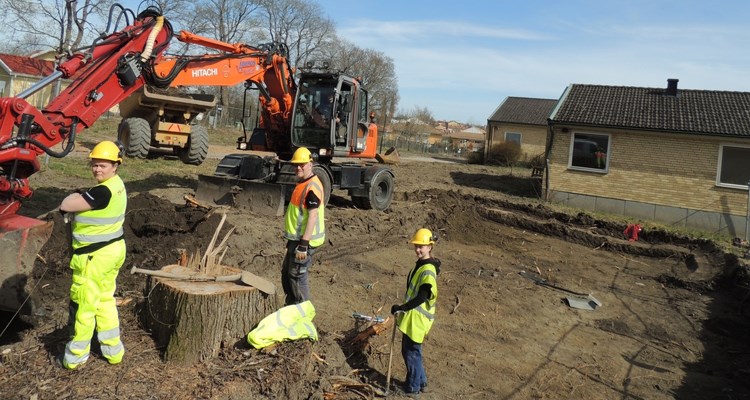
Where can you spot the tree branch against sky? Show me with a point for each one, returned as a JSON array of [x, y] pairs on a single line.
[[299, 24]]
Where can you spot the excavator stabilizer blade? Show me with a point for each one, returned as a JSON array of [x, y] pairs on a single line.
[[21, 238], [258, 197]]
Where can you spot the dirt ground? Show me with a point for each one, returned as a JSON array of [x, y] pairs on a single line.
[[671, 325]]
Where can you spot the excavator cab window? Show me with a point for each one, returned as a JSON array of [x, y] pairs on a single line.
[[314, 113]]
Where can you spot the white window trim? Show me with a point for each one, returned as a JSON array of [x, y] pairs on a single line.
[[718, 167], [570, 153]]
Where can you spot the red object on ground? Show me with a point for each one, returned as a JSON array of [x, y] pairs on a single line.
[[632, 232]]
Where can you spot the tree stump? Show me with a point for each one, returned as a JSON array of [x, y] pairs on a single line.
[[193, 320]]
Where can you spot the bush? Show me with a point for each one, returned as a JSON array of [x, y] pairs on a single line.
[[475, 157], [505, 153]]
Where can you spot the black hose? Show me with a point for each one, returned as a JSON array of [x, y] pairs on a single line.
[[68, 148]]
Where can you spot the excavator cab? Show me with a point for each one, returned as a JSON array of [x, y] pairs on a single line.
[[330, 115]]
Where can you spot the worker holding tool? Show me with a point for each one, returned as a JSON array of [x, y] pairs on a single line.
[[96, 217], [304, 228], [416, 315]]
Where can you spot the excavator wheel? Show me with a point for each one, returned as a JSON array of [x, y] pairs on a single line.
[[197, 149], [380, 192], [135, 135], [325, 179]]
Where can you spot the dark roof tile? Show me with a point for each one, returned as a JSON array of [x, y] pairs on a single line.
[[708, 112], [524, 110]]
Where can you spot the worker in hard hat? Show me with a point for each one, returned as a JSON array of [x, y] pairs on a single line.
[[304, 228], [96, 216], [416, 315]]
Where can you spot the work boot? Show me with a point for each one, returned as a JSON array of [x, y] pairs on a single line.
[[412, 395], [425, 389]]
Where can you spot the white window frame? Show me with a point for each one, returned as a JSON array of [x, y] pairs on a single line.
[[587, 169], [719, 165]]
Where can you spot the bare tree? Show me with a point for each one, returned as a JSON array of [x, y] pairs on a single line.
[[62, 25], [377, 73], [300, 24]]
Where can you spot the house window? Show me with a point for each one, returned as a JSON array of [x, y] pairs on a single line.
[[513, 137], [589, 151], [734, 166]]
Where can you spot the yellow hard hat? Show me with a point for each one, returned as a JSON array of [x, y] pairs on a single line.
[[301, 156], [423, 237], [106, 150]]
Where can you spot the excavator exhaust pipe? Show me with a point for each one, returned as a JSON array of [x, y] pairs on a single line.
[[21, 238]]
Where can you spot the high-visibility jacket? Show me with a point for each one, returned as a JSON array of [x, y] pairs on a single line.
[[416, 323], [297, 213], [291, 322], [105, 225]]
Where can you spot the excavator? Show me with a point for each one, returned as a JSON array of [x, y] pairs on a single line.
[[327, 112]]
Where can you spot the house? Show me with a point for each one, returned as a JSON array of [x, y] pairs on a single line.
[[471, 139], [18, 73], [680, 157], [522, 120]]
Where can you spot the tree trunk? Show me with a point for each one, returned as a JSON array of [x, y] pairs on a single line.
[[193, 320]]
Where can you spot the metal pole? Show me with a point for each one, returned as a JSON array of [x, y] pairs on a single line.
[[747, 219]]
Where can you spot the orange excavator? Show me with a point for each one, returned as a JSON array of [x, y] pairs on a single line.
[[324, 111]]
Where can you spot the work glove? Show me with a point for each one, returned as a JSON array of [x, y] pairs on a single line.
[[300, 253], [395, 308]]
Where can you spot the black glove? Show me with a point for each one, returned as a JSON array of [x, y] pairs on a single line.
[[395, 308]]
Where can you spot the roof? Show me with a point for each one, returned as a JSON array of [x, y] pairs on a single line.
[[465, 135], [474, 130], [708, 112], [524, 110], [14, 64]]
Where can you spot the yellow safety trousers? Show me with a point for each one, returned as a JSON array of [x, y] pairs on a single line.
[[93, 305]]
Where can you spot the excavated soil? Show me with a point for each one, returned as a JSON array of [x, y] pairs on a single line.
[[672, 324]]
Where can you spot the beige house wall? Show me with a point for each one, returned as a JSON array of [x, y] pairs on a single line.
[[671, 170], [16, 84], [533, 137]]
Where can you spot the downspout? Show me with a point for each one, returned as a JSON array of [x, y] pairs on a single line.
[[550, 139]]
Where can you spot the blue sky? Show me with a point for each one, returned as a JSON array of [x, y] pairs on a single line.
[[460, 59]]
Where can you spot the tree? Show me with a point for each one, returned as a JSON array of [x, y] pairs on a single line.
[[54, 24], [299, 24], [375, 70]]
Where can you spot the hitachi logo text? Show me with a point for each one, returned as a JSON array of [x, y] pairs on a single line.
[[205, 72]]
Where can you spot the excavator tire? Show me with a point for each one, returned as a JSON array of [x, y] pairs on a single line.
[[135, 135], [380, 192], [325, 179], [197, 149]]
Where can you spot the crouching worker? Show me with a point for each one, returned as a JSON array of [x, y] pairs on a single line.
[[416, 315], [96, 218]]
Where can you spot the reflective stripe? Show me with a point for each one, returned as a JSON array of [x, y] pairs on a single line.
[[108, 334], [76, 353], [98, 238], [424, 312], [110, 351], [411, 289], [78, 346], [98, 220]]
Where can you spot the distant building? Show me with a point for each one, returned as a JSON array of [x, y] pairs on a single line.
[[18, 73]]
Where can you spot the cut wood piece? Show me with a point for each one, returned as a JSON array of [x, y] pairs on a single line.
[[193, 320]]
